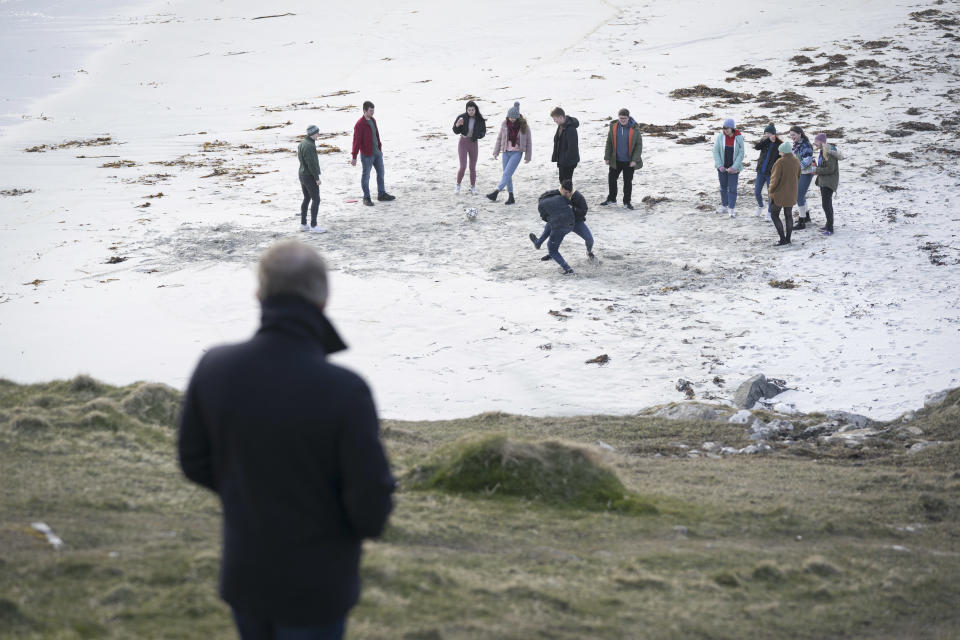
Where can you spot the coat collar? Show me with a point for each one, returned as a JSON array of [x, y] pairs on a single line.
[[295, 316]]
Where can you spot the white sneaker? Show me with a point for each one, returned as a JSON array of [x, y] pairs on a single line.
[[721, 208], [317, 229], [733, 214], [457, 191], [473, 190], [759, 211], [303, 227]]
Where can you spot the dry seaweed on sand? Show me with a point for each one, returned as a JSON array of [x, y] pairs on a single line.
[[90, 142], [748, 72], [703, 91], [118, 164], [663, 129], [783, 284], [15, 192]]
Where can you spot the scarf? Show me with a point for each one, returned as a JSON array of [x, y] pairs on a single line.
[[513, 131]]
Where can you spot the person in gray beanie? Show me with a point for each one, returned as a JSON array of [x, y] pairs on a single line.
[[514, 142], [309, 179]]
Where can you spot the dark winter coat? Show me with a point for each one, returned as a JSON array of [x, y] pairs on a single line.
[[307, 154], [479, 126], [566, 149], [290, 444], [769, 153], [634, 144], [828, 169], [577, 201], [784, 180], [558, 211]]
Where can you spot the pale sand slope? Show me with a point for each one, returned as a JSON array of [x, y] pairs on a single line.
[[448, 317]]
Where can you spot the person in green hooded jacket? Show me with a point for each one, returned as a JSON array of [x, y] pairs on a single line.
[[310, 179]]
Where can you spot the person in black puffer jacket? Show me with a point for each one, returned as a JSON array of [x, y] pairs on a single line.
[[557, 211], [566, 149], [579, 205]]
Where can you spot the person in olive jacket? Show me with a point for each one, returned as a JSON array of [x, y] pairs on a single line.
[[471, 126], [309, 179], [290, 443], [828, 177], [623, 155], [783, 191], [566, 149]]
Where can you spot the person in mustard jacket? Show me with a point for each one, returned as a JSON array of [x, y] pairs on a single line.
[[783, 191]]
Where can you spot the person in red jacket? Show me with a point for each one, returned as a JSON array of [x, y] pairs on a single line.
[[366, 142]]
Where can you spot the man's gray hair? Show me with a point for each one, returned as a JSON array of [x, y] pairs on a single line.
[[293, 268]]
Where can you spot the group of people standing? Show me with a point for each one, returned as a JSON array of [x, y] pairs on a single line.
[[786, 168]]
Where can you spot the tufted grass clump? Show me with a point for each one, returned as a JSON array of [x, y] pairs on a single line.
[[554, 473]]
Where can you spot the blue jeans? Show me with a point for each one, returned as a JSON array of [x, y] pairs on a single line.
[[375, 161], [511, 160], [256, 629], [802, 187], [553, 246], [728, 188], [580, 229], [758, 188]]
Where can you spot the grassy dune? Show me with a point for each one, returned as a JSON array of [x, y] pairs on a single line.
[[493, 535]]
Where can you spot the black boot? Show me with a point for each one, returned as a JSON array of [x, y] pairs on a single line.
[[533, 239], [493, 195], [510, 200]]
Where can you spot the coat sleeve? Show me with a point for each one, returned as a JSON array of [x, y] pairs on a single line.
[[499, 141], [738, 153], [356, 140], [717, 152], [608, 147], [829, 166], [459, 129], [579, 204], [637, 154], [367, 484], [313, 163], [775, 177], [193, 440]]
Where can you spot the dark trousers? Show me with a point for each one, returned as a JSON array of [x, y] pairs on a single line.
[[256, 629], [786, 227], [311, 192], [614, 175], [826, 199], [580, 228], [553, 246], [566, 173]]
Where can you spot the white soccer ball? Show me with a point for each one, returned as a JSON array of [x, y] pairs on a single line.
[[471, 214]]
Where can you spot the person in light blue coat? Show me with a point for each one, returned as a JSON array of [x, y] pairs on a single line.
[[728, 150]]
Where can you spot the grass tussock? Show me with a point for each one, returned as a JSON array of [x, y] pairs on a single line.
[[554, 473]]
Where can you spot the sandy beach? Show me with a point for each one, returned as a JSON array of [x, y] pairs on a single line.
[[132, 213]]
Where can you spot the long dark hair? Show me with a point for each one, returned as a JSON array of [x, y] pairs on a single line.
[[471, 103], [796, 129]]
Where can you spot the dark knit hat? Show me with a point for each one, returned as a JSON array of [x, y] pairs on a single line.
[[567, 185], [312, 129], [770, 129]]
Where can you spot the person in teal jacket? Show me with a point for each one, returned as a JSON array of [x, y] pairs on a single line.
[[728, 150]]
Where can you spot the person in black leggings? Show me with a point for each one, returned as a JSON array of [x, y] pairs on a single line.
[[828, 177]]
